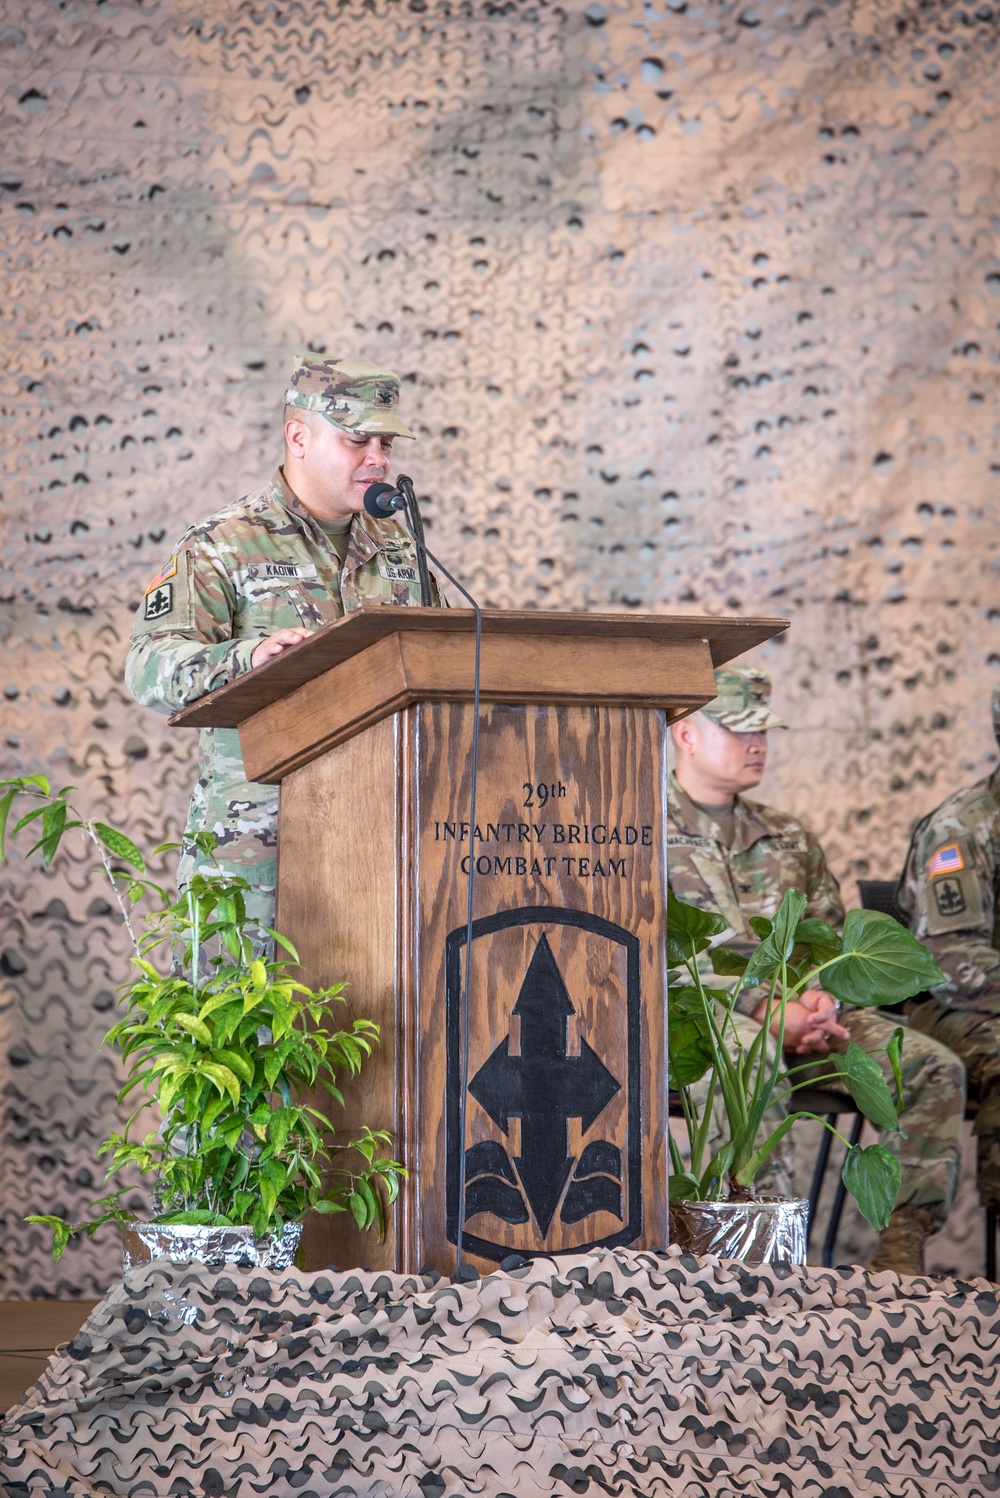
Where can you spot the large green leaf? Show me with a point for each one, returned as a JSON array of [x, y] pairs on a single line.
[[881, 962], [818, 938], [787, 919], [727, 962], [195, 1027], [862, 1076], [871, 1175], [778, 943], [690, 1053], [120, 845], [223, 1079], [62, 1232], [683, 1187], [689, 930], [689, 1046]]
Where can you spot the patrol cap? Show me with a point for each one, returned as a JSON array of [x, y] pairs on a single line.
[[744, 701], [357, 397]]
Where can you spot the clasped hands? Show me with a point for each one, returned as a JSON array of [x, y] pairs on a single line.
[[811, 1025]]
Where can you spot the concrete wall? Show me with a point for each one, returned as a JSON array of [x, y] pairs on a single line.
[[696, 304]]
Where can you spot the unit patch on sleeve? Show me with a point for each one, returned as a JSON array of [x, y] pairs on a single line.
[[948, 897], [159, 601]]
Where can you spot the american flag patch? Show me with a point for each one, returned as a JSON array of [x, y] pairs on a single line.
[[162, 575], [946, 861]]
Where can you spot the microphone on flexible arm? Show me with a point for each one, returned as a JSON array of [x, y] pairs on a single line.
[[380, 501]]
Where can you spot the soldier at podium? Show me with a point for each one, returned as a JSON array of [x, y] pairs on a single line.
[[257, 576], [739, 857], [950, 889]]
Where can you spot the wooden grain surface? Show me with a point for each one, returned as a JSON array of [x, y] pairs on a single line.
[[674, 675], [371, 885], [611, 766], [341, 885], [334, 643], [30, 1331]]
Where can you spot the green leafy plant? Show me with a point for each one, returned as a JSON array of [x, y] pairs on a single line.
[[225, 1042], [873, 961]]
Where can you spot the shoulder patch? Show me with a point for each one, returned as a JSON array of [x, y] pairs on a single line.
[[945, 860], [160, 577], [956, 896], [158, 601], [949, 897], [167, 604]]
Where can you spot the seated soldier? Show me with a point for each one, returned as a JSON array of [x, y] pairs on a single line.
[[738, 857], [950, 890]]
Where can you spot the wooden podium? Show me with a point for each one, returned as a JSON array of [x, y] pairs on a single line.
[[368, 727]]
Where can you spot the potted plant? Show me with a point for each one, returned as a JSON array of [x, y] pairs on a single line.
[[874, 960], [225, 1042]]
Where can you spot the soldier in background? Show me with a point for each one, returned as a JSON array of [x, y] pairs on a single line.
[[257, 577], [738, 857], [950, 890]]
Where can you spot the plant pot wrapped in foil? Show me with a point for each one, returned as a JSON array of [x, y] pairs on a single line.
[[144, 1241], [770, 1231]]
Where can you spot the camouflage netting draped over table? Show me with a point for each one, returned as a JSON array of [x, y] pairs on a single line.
[[625, 1373]]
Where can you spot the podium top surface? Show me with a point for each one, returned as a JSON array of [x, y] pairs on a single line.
[[231, 705]]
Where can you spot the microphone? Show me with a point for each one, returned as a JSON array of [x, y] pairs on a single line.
[[383, 499]]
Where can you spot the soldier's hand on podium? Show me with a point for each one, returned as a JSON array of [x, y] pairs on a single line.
[[276, 643]]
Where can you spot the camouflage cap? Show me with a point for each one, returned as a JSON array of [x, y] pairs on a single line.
[[743, 704], [357, 397]]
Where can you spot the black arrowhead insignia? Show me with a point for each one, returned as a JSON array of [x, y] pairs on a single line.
[[543, 1086]]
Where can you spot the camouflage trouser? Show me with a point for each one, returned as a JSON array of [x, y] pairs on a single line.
[[260, 912], [975, 1037], [930, 1156]]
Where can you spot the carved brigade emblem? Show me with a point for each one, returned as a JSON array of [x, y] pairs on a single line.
[[553, 1146]]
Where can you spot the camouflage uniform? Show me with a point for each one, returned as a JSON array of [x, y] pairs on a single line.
[[259, 565], [950, 890], [770, 853]]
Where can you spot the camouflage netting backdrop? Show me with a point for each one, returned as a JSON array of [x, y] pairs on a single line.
[[696, 303]]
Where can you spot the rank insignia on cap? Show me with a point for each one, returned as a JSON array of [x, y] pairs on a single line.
[[947, 860], [159, 601], [162, 575]]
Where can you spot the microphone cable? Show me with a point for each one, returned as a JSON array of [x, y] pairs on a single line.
[[382, 500]]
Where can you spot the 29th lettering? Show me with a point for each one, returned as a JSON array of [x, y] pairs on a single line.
[[543, 792]]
